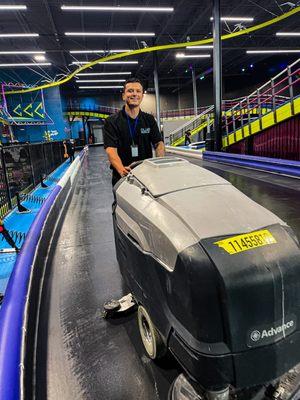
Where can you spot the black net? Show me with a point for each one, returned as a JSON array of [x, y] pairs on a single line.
[[58, 151], [18, 168], [4, 199], [49, 159], [22, 166], [37, 162]]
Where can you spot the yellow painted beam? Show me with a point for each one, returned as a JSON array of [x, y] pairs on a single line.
[[86, 114]]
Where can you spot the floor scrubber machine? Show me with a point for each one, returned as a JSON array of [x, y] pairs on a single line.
[[215, 275]]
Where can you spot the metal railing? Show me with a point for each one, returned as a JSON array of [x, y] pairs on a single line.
[[190, 112], [74, 105], [204, 118], [21, 168], [207, 117], [182, 112], [281, 89]]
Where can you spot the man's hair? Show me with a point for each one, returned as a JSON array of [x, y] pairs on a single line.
[[133, 80]]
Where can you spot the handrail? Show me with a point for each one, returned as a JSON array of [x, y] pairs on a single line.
[[273, 94], [182, 112], [190, 125]]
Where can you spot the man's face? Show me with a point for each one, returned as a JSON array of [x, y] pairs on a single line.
[[133, 94]]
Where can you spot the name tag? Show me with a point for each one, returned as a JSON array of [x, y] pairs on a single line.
[[134, 151], [144, 131]]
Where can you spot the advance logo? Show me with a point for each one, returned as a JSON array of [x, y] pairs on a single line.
[[267, 334]]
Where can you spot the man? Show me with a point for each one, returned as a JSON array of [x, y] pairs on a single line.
[[130, 134], [187, 138], [69, 149]]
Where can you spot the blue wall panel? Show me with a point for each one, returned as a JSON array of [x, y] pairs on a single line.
[[76, 127], [60, 127]]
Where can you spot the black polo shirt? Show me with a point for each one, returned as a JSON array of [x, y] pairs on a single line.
[[116, 133]]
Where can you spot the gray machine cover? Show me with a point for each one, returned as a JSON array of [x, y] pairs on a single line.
[[168, 204]]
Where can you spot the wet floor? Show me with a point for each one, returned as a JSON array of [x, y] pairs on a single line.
[[82, 356]]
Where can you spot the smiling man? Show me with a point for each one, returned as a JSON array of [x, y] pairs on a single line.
[[131, 134]]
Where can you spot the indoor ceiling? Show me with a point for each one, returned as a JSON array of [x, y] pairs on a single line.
[[190, 20]]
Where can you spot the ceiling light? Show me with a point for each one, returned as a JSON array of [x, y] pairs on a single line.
[[235, 19], [200, 47], [100, 87], [8, 7], [121, 34], [288, 34], [14, 35], [24, 64], [272, 51], [39, 57], [103, 73], [105, 62], [100, 80], [17, 52], [97, 51], [101, 8], [181, 55]]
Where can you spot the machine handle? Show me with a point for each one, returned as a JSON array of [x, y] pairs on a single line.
[[135, 164]]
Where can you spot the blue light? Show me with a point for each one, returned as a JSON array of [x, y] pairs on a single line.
[[251, 66]]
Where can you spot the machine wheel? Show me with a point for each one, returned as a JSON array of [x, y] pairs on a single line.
[[151, 338]]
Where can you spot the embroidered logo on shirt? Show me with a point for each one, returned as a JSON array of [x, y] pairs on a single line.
[[145, 130]]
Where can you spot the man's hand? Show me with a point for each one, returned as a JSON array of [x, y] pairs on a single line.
[[116, 162], [160, 149], [123, 171]]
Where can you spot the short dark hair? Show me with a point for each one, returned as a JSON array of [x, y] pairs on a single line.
[[133, 80]]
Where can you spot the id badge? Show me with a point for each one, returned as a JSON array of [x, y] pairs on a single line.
[[134, 151]]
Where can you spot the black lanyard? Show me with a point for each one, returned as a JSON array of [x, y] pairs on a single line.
[[132, 128]]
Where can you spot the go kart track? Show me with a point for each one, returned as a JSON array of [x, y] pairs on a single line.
[[80, 355]]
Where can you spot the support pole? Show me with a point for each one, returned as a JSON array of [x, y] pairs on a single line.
[[194, 91], [217, 67], [84, 130], [156, 87]]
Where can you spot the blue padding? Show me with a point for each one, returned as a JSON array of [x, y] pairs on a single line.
[[12, 310], [287, 167], [14, 278], [7, 262]]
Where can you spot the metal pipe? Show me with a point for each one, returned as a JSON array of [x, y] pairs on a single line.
[[273, 100], [217, 72], [259, 110], [156, 88], [194, 92], [84, 130], [291, 91]]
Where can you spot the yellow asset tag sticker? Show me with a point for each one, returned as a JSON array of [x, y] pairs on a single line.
[[248, 241]]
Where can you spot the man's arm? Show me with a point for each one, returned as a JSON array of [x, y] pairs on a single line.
[[116, 161], [110, 136], [160, 149]]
